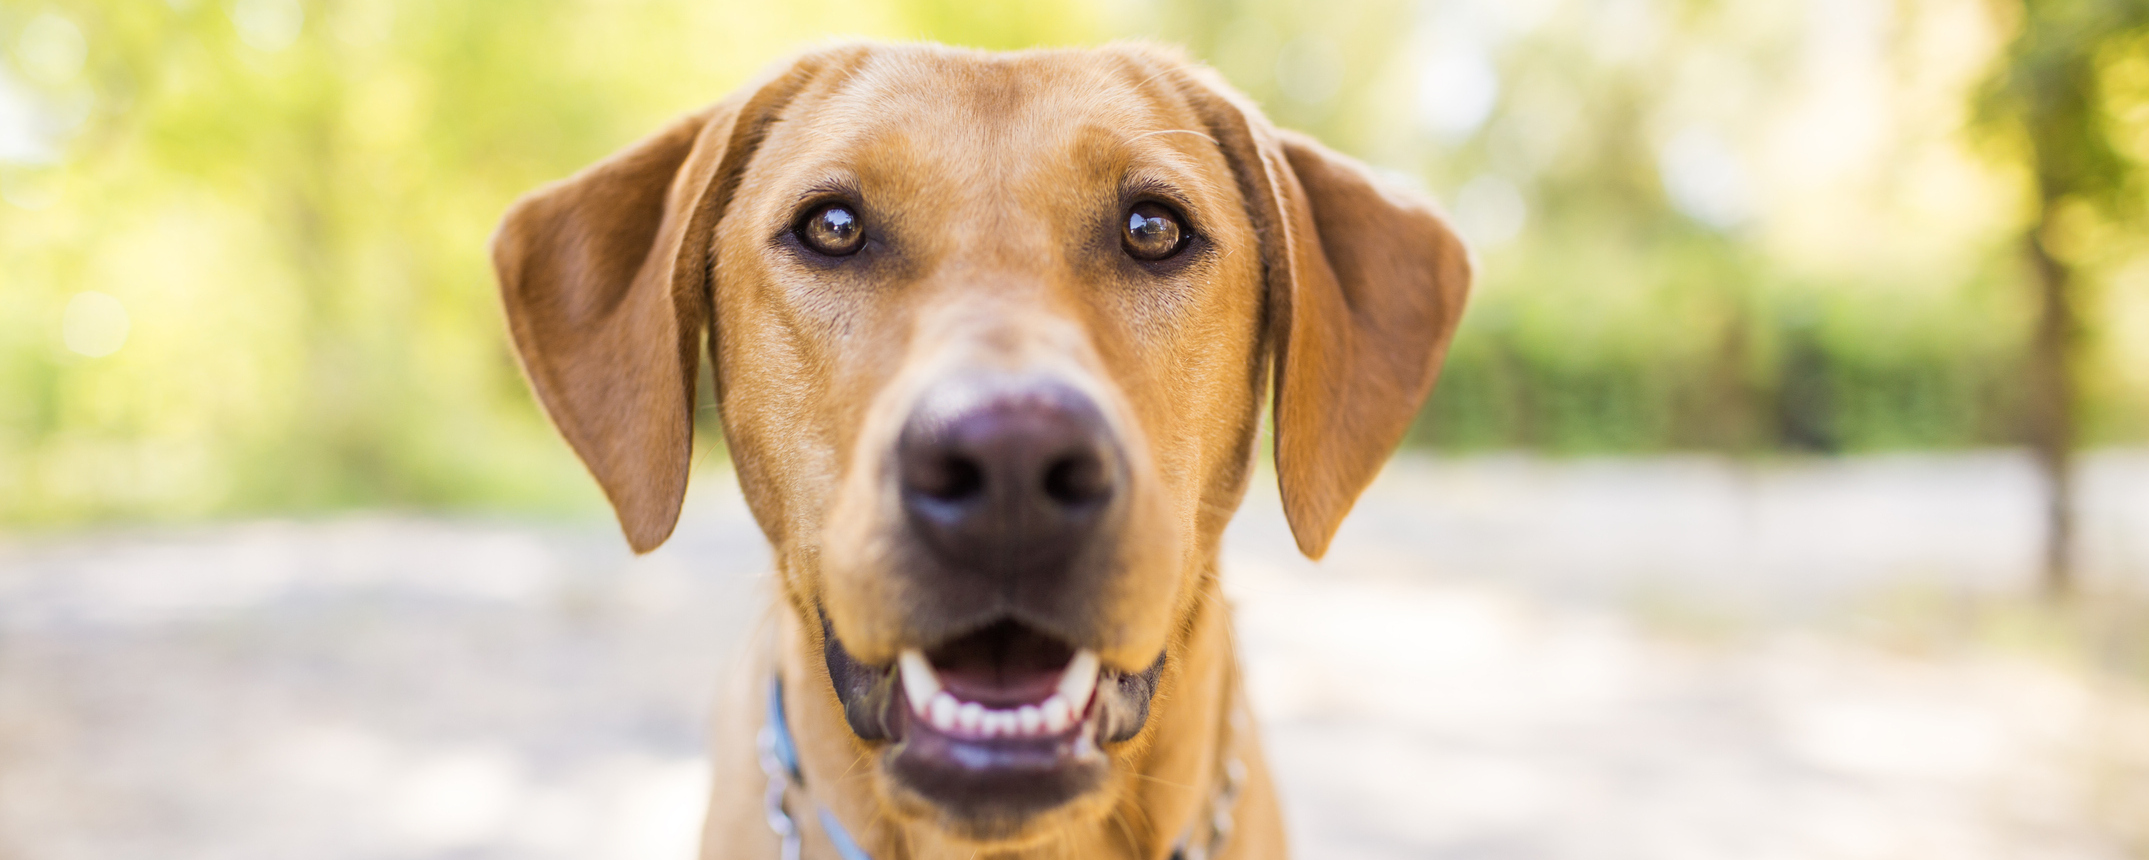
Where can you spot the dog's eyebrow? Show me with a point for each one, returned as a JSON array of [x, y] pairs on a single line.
[[845, 186], [1139, 183]]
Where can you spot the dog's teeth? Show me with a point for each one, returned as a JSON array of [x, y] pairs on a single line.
[[943, 715], [920, 683], [939, 708], [1079, 680], [1056, 714]]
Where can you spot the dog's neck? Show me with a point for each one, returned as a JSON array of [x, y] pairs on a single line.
[[1168, 781]]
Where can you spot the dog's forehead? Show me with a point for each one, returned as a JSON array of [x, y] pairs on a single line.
[[996, 121]]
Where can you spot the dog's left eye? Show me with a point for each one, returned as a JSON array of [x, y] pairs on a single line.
[[1153, 232], [832, 229]]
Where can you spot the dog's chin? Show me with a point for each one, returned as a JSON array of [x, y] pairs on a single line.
[[995, 732]]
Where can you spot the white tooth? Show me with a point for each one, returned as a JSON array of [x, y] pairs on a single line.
[[944, 712], [969, 717], [1030, 719], [1079, 680], [1056, 714], [1000, 722], [919, 681]]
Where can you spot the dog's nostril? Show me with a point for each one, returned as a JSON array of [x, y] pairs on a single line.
[[1077, 479], [951, 478]]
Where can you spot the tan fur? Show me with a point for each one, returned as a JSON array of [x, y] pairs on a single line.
[[989, 170]]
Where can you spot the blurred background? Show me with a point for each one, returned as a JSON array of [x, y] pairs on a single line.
[[1785, 494]]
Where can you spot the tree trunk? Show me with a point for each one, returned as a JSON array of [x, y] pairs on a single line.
[[2052, 401]]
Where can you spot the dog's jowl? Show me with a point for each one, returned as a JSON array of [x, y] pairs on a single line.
[[992, 336]]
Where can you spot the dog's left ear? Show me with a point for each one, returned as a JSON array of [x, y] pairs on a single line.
[[1375, 283], [1365, 286], [605, 277]]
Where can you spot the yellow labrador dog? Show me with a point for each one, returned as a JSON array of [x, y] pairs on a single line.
[[992, 336]]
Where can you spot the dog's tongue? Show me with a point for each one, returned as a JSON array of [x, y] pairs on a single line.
[[1003, 666]]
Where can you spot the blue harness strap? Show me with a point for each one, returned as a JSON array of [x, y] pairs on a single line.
[[779, 758]]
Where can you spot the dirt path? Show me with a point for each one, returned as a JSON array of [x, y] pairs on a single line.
[[1502, 659]]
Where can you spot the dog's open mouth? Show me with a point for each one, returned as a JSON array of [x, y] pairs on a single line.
[[1000, 682], [1002, 721]]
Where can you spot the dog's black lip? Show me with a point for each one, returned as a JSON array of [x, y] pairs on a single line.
[[873, 702], [994, 784], [867, 692]]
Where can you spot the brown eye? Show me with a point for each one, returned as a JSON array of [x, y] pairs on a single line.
[[1153, 232], [833, 230]]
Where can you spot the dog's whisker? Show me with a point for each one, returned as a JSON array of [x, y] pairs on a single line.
[[1126, 828], [1200, 134], [1145, 777]]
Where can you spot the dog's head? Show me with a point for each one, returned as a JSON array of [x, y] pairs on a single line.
[[991, 335]]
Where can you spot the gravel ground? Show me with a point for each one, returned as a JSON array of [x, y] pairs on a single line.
[[1502, 658]]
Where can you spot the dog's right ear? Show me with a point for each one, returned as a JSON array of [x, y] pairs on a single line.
[[605, 276]]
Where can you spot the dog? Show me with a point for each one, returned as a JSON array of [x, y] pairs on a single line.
[[992, 336]]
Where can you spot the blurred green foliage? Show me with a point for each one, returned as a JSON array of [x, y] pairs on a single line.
[[1742, 226]]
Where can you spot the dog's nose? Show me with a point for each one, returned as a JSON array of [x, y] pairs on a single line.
[[1007, 476]]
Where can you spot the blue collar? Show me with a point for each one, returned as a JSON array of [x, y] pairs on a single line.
[[779, 757]]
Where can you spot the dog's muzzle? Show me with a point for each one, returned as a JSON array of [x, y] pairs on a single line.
[[1013, 494]]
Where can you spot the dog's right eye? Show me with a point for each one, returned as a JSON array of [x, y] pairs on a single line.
[[1153, 232], [831, 229]]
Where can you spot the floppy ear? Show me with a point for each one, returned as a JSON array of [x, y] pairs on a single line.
[[1365, 286], [1372, 291], [605, 276]]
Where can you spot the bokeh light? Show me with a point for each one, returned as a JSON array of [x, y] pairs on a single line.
[[95, 324]]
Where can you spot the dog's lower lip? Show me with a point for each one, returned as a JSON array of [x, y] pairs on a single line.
[[967, 756]]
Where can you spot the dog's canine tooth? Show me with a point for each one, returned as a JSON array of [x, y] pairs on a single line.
[[920, 682], [1056, 714], [1079, 680], [970, 717], [943, 715], [1029, 720]]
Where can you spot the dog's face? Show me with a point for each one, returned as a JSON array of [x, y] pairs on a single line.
[[991, 337]]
